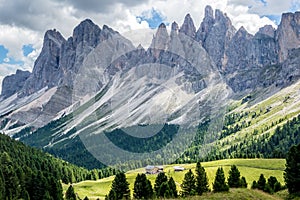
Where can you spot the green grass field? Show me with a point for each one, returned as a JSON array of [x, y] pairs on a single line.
[[250, 168]]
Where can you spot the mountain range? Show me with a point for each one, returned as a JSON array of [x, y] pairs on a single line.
[[96, 87]]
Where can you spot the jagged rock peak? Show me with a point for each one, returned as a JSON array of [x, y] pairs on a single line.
[[188, 26], [54, 35], [86, 31], [161, 31], [268, 30], [221, 17], [174, 26], [161, 38], [209, 13], [14, 83], [162, 25], [242, 32]]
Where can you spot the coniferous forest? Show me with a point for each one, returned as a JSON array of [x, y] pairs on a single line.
[[28, 173]]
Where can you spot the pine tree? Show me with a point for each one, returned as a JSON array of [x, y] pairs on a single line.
[[112, 195], [142, 187], [254, 185], [86, 198], [121, 186], [160, 179], [261, 183], [201, 180], [172, 188], [189, 184], [234, 177], [292, 170], [164, 190], [149, 190], [219, 184], [243, 182], [70, 193]]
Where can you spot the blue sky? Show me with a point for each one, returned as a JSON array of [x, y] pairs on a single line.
[[4, 58], [153, 17]]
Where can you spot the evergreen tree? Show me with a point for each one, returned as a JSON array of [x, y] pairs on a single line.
[[142, 187], [112, 195], [292, 170], [160, 179], [234, 177], [164, 190], [70, 193], [201, 180], [243, 182], [120, 186], [149, 190], [272, 181], [219, 184], [86, 198], [261, 183], [254, 185], [189, 184], [172, 188]]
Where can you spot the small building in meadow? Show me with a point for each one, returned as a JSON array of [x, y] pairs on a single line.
[[151, 169]]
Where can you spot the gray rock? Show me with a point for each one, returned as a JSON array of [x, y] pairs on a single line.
[[46, 70], [14, 83], [288, 34], [188, 27]]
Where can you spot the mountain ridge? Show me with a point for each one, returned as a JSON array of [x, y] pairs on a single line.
[[98, 81]]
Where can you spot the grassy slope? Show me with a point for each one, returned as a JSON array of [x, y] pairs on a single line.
[[250, 168], [284, 105]]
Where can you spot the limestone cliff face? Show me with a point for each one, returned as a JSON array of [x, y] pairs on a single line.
[[288, 34], [46, 72], [14, 83]]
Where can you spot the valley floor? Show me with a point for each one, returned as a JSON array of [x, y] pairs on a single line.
[[249, 168]]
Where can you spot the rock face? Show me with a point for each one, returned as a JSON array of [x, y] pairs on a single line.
[[288, 34], [14, 83], [45, 72], [215, 34], [244, 61]]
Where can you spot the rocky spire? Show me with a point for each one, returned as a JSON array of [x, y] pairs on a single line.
[[45, 72], [206, 24], [161, 39], [188, 26], [86, 32]]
